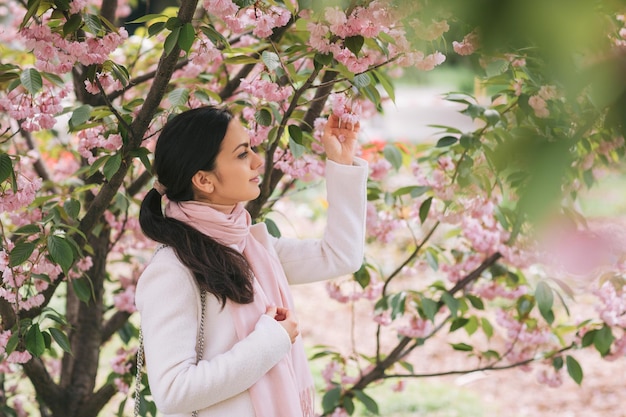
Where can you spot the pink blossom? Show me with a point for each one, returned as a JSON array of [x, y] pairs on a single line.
[[305, 167], [429, 62], [417, 328], [265, 89], [399, 386], [383, 318], [19, 357], [548, 92], [125, 301], [550, 377], [379, 169], [5, 335], [381, 225], [540, 106], [468, 46], [612, 304]]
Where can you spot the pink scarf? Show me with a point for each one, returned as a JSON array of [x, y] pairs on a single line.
[[287, 389]]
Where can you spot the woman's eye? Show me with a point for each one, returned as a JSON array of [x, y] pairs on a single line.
[[243, 155], [254, 149]]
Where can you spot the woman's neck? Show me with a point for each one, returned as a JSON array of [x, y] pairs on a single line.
[[224, 208]]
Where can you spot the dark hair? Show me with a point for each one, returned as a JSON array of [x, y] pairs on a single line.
[[189, 143]]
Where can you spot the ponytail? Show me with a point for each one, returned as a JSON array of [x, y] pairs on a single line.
[[218, 269]]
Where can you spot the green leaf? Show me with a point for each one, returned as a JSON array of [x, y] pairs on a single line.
[[82, 289], [72, 24], [446, 141], [33, 6], [173, 23], [573, 369], [296, 149], [147, 18], [295, 133], [414, 190], [61, 339], [214, 36], [171, 41], [330, 401], [178, 97], [458, 323], [35, 342], [6, 167], [429, 307], [425, 208], [452, 303], [272, 228], [354, 44], [367, 401], [31, 80], [263, 117], [29, 229], [476, 302], [186, 38], [464, 347], [112, 165], [393, 155], [72, 208], [362, 276], [60, 252], [20, 253], [545, 300], [361, 80], [398, 303], [80, 115], [271, 60], [93, 23], [603, 339], [156, 28]]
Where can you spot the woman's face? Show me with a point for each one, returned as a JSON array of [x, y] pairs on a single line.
[[236, 177]]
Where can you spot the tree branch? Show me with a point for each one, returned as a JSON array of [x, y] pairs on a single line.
[[45, 387], [113, 324]]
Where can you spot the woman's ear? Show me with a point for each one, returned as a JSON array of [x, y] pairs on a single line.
[[203, 182]]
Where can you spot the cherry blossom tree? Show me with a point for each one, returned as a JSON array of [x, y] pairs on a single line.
[[477, 220]]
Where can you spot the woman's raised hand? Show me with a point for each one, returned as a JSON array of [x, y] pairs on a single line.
[[286, 319], [339, 140]]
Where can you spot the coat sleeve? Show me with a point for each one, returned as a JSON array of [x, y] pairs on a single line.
[[169, 304], [341, 249]]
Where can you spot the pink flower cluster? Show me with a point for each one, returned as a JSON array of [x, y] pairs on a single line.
[[266, 90], [262, 20], [493, 289], [58, 55], [538, 102], [367, 22], [381, 224], [481, 228], [94, 138], [612, 304], [306, 167], [34, 112], [13, 201], [468, 45], [417, 327], [348, 112], [337, 290], [106, 80], [523, 342]]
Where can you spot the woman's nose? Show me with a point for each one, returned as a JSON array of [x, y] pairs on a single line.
[[259, 161]]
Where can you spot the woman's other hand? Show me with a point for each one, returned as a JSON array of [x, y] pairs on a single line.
[[339, 140], [286, 319]]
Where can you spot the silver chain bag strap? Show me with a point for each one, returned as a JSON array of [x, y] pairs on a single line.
[[140, 356]]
